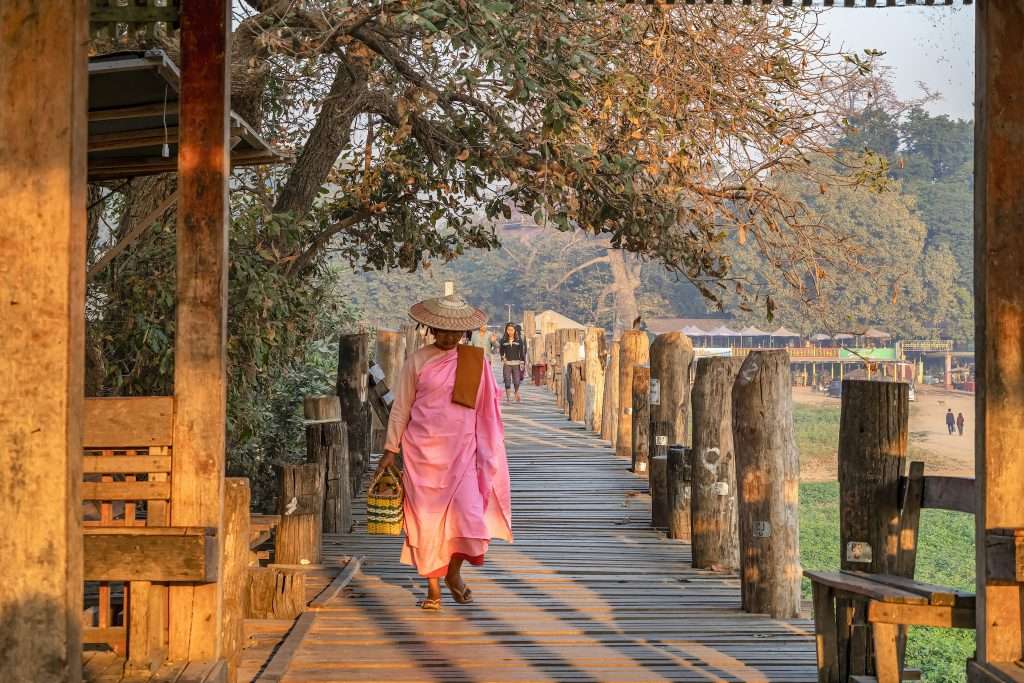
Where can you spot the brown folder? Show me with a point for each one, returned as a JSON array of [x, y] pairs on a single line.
[[468, 371]]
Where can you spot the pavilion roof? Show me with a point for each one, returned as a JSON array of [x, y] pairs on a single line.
[[133, 112]]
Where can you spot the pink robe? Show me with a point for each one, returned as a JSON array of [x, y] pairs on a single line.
[[457, 491]]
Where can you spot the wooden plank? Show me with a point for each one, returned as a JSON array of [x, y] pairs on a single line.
[[910, 519], [277, 668], [235, 569], [150, 557], [855, 585], [949, 493], [338, 584], [200, 340], [42, 306], [1004, 556], [941, 616], [126, 490], [138, 464], [126, 422], [936, 595], [999, 298], [825, 627]]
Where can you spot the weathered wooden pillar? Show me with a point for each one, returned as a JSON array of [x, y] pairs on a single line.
[[671, 357], [768, 477], [678, 492], [872, 452], [300, 504], [353, 365], [610, 401], [43, 96], [658, 483], [715, 536], [327, 445], [632, 352], [530, 329], [594, 391], [577, 404], [235, 570], [999, 320], [412, 336], [572, 352], [389, 354], [200, 339], [640, 396]]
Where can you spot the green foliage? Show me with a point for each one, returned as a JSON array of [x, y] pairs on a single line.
[[817, 431], [945, 557]]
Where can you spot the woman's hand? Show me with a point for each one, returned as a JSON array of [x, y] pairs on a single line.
[[387, 460]]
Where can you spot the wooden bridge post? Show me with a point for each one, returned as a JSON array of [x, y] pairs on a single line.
[[873, 432], [678, 492], [640, 454], [768, 475], [235, 570], [353, 365], [300, 504], [594, 374], [200, 339], [633, 351], [413, 339], [714, 514], [42, 305], [389, 354], [327, 444], [658, 483], [610, 400], [671, 358]]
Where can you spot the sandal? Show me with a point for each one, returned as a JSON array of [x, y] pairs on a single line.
[[429, 604], [463, 597]]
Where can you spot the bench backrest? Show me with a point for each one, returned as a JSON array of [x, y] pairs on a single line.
[[918, 492]]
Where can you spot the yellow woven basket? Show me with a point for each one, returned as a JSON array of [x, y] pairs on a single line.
[[384, 504]]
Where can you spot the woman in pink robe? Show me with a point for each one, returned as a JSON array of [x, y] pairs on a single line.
[[457, 492]]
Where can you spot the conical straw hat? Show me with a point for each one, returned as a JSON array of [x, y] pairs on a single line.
[[448, 313]]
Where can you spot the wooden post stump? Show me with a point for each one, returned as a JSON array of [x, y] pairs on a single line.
[[641, 419], [658, 483], [632, 352], [275, 593], [610, 401], [353, 363], [678, 492], [768, 474], [872, 451], [300, 505], [577, 387], [327, 445], [715, 533], [235, 570], [671, 358]]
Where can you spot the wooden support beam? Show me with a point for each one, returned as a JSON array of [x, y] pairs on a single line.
[[593, 346], [235, 570], [353, 391], [327, 445], [610, 401], [42, 306], [640, 453], [632, 352], [180, 554], [999, 314], [200, 341]]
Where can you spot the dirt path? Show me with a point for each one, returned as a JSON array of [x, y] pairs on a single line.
[[929, 439]]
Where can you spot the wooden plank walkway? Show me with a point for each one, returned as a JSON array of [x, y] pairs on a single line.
[[588, 592]]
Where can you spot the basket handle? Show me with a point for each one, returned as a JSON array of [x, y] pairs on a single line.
[[395, 475]]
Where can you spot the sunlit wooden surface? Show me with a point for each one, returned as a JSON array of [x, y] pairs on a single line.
[[588, 592]]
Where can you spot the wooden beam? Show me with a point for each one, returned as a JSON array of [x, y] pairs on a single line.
[[127, 422], [141, 111], [200, 349], [941, 616], [133, 139], [999, 312], [127, 464], [42, 305], [167, 557]]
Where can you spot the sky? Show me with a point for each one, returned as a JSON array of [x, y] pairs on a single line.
[[934, 45]]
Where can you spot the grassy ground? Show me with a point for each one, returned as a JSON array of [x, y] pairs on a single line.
[[945, 557], [817, 431]]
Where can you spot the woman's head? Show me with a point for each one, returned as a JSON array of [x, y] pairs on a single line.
[[510, 331], [447, 339]]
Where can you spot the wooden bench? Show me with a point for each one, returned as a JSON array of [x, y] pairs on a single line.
[[130, 552], [861, 619]]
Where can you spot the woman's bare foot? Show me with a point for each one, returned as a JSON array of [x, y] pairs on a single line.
[[453, 579], [433, 589]]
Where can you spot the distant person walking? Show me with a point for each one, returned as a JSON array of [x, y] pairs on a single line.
[[513, 360], [950, 421], [481, 339], [960, 423]]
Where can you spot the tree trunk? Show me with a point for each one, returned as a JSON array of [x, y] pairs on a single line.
[[768, 473], [714, 520], [872, 452], [625, 282]]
